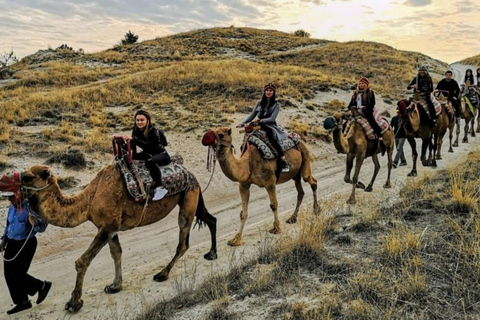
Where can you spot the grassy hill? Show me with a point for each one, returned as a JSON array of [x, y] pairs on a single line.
[[210, 73], [475, 60]]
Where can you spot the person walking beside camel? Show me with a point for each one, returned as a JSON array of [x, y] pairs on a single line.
[[400, 137], [18, 247]]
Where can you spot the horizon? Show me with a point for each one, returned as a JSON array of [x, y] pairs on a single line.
[[409, 25]]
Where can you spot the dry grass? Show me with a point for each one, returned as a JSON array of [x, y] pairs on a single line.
[[413, 260], [475, 60]]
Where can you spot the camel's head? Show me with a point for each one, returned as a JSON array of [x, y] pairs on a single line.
[[333, 122], [217, 136], [37, 178]]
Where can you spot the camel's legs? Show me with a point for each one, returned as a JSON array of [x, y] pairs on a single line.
[[81, 265], [185, 219], [389, 165], [272, 194], [116, 253], [376, 163], [425, 144], [437, 139], [472, 125], [457, 130], [306, 172], [300, 194], [358, 165], [245, 195], [465, 131], [478, 121], [413, 145], [202, 214], [348, 171]]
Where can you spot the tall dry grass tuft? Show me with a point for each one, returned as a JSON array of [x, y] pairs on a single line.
[[400, 244]]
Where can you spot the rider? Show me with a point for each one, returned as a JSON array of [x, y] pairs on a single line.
[[152, 141], [423, 84], [364, 98], [265, 113], [469, 79], [450, 85]]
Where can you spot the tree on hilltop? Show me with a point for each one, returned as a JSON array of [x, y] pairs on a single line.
[[302, 33], [129, 38], [6, 60]]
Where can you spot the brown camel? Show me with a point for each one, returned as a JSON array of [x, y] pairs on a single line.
[[106, 203], [356, 146], [251, 168], [467, 114], [417, 125]]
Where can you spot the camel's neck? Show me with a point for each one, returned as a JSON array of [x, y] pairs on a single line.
[[235, 169], [60, 210], [340, 142]]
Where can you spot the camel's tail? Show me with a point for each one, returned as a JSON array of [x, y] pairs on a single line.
[[202, 214]]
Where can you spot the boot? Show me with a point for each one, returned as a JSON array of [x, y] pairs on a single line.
[[159, 193]]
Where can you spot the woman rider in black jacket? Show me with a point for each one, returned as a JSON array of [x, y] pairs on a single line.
[[152, 141]]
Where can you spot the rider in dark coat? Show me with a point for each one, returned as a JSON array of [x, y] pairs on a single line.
[[423, 84]]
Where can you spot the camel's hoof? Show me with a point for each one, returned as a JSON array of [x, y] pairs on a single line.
[[211, 255], [450, 150], [412, 174], [351, 201], [112, 289], [439, 158], [369, 189], [465, 140], [387, 185], [275, 231], [160, 277], [316, 209], [347, 180], [455, 144], [234, 242], [292, 219], [70, 306], [478, 130], [360, 185]]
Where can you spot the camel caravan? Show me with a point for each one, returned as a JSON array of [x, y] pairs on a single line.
[[144, 184]]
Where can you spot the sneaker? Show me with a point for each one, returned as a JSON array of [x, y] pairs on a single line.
[[159, 193], [285, 166], [394, 165], [402, 164], [42, 293], [20, 307]]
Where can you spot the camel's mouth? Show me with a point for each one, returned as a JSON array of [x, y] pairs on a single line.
[[209, 139]]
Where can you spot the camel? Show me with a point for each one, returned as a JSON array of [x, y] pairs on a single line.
[[356, 146], [417, 125], [106, 203], [469, 116], [251, 168]]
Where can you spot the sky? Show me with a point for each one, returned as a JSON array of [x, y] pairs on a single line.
[[448, 30]]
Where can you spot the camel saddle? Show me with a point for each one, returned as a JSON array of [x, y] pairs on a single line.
[[367, 128], [259, 139], [436, 104], [175, 178]]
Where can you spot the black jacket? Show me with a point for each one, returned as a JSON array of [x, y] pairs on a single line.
[[153, 144], [398, 131], [450, 86], [368, 101], [425, 84]]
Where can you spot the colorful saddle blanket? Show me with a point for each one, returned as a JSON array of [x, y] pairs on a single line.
[[436, 104], [367, 128], [175, 178], [259, 139]]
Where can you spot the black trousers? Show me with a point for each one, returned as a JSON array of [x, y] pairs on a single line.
[[456, 106], [431, 108], [152, 163], [19, 282], [273, 140]]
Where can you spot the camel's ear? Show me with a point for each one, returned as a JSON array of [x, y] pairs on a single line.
[[45, 174], [229, 131]]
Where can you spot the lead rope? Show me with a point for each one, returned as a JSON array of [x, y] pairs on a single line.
[[211, 161]]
